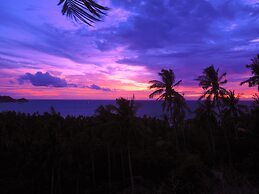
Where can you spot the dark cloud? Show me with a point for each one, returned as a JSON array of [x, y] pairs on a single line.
[[96, 87], [187, 30], [43, 79], [167, 23]]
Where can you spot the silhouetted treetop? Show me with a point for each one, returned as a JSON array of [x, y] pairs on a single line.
[[165, 88], [231, 104], [211, 83], [254, 67]]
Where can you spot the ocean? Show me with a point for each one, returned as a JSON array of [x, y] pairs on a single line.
[[88, 107]]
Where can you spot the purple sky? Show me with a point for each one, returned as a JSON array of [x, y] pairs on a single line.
[[46, 55]]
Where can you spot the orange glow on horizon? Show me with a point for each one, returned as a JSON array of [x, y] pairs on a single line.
[[190, 93]]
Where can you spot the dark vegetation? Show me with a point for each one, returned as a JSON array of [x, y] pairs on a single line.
[[114, 151]]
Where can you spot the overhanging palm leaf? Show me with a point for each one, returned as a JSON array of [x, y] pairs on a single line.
[[254, 66], [86, 11]]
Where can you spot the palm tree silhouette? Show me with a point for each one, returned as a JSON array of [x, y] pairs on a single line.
[[173, 101], [125, 110], [231, 104], [107, 121], [212, 83], [207, 117], [254, 66], [165, 89], [232, 110], [87, 11]]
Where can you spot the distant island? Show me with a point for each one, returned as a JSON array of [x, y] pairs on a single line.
[[10, 99]]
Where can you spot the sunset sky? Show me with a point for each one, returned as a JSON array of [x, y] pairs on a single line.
[[45, 55]]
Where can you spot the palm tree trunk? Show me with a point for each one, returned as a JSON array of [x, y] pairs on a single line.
[[184, 138], [130, 169], [228, 148], [226, 138], [219, 112], [58, 178], [234, 122], [93, 168], [52, 186], [109, 168], [122, 166], [92, 157], [212, 143], [172, 120], [77, 183]]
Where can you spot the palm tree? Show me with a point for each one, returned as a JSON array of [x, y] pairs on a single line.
[[232, 110], [173, 101], [212, 83], [87, 11], [166, 90], [111, 134], [105, 112], [207, 117], [231, 104], [125, 110], [254, 66]]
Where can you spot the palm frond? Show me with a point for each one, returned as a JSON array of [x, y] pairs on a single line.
[[252, 81], [86, 11], [156, 84], [222, 76], [207, 94], [244, 82], [177, 83], [171, 98], [211, 84], [156, 93], [254, 67], [161, 96], [223, 82]]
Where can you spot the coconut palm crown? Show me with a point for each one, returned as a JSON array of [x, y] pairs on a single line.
[[254, 66], [211, 83], [231, 105], [166, 89], [87, 11]]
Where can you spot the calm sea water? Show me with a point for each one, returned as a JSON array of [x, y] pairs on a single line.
[[88, 107]]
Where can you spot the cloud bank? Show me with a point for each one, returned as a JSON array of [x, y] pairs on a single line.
[[43, 79], [47, 80]]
